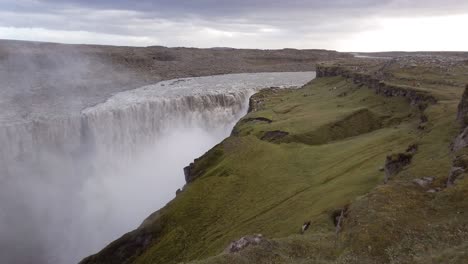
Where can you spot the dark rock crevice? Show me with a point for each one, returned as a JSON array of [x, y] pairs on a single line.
[[338, 217], [274, 136], [257, 119], [395, 163], [462, 114]]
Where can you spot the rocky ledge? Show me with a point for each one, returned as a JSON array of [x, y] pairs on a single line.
[[416, 97]]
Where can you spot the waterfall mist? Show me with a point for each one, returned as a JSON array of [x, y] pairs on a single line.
[[71, 185]]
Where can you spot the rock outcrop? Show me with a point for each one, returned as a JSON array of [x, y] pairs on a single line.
[[395, 163], [199, 166], [460, 163], [459, 167], [258, 119], [189, 172], [273, 136], [461, 141], [462, 114], [454, 175], [416, 97], [244, 242], [424, 182], [412, 149], [338, 216], [257, 101]]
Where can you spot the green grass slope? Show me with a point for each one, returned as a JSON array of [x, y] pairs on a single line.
[[301, 155]]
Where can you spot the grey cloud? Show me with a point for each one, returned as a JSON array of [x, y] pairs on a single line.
[[228, 15], [227, 8], [219, 22]]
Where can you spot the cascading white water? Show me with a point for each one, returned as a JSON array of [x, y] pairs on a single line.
[[71, 185]]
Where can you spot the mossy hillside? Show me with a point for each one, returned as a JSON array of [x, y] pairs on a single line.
[[261, 187], [337, 109], [256, 186], [399, 222]]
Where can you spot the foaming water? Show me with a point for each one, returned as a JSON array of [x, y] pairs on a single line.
[[71, 185]]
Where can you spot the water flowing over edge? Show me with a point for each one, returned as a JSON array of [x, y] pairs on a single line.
[[78, 157]]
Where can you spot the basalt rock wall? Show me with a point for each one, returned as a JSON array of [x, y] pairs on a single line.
[[416, 97]]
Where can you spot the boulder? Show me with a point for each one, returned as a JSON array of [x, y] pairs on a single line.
[[424, 181]]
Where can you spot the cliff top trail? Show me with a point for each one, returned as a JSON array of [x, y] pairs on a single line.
[[363, 152]]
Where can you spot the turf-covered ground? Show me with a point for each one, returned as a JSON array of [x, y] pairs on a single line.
[[304, 155]]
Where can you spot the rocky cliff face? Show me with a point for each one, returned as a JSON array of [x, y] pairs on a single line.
[[200, 165], [462, 115], [416, 97], [461, 141]]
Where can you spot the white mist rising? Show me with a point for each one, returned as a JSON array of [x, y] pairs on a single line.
[[72, 185]]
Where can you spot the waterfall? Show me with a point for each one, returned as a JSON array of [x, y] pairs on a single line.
[[70, 185]]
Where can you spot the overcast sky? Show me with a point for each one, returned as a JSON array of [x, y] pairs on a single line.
[[345, 25]]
